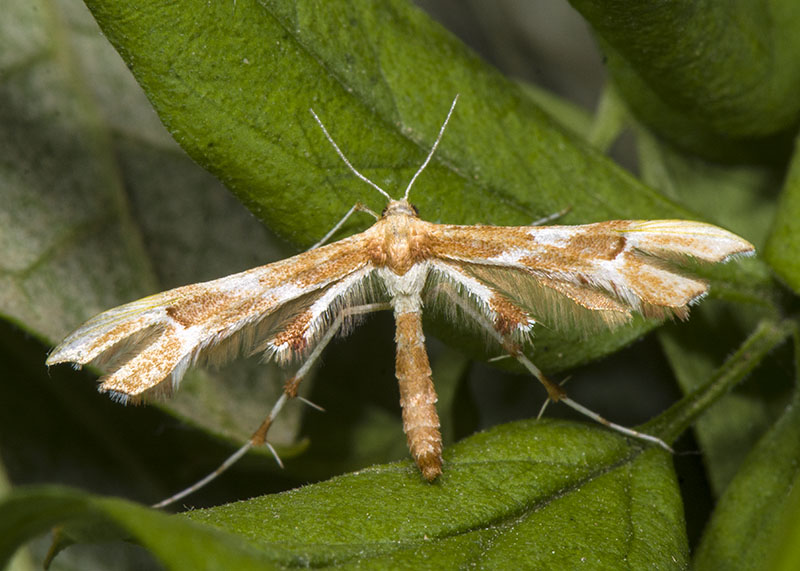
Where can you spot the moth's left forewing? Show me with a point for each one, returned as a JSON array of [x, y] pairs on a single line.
[[646, 263], [453, 287], [487, 259], [589, 274], [673, 239]]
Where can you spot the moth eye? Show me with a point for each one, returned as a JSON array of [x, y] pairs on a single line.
[[384, 211], [414, 208]]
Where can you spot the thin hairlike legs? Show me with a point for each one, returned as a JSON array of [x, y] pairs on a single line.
[[259, 437]]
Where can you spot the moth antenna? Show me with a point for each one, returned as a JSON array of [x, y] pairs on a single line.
[[433, 149], [344, 158]]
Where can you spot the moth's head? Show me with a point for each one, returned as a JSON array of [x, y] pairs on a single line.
[[400, 207]]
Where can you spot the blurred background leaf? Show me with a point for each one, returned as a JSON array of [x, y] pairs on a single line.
[[718, 81]]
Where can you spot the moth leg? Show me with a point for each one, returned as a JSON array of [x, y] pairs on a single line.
[[550, 217], [547, 401], [554, 391], [357, 207], [259, 437]]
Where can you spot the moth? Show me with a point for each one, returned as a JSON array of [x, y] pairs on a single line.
[[500, 280]]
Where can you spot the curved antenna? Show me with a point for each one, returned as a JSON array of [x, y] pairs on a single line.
[[344, 158], [433, 149]]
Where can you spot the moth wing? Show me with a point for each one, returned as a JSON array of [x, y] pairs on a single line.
[[609, 268], [555, 303], [144, 342]]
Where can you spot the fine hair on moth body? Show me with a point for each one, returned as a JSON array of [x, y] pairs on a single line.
[[503, 280]]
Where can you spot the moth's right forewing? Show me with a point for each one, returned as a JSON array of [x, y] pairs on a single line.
[[161, 335]]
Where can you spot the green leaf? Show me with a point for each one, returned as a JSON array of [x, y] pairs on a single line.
[[739, 198], [783, 247], [766, 337], [742, 411], [176, 543], [549, 494], [100, 206], [786, 553], [21, 560], [748, 523], [570, 116], [69, 245], [264, 144], [718, 80]]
